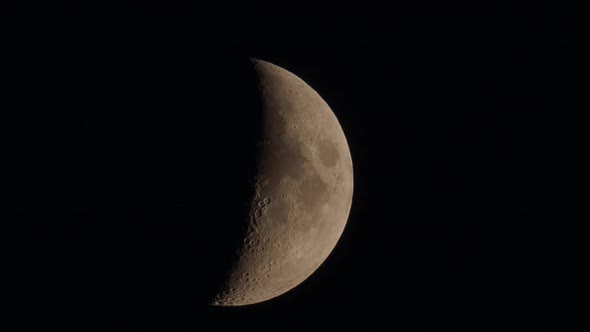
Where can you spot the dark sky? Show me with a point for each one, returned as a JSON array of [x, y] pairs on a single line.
[[128, 134]]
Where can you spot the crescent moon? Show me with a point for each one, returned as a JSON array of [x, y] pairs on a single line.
[[303, 191]]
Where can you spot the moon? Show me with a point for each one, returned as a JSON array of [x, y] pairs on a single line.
[[302, 196]]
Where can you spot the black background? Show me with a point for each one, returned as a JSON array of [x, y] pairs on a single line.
[[128, 132]]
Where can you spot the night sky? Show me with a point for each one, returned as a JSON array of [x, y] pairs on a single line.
[[128, 144]]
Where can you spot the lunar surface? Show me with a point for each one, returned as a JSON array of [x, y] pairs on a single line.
[[303, 192]]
